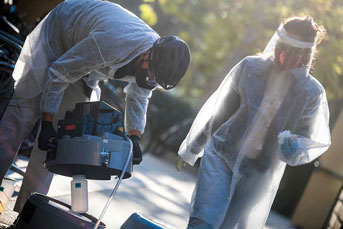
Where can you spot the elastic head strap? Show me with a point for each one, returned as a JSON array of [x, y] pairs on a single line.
[[284, 37]]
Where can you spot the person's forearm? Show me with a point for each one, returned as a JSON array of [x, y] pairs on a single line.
[[47, 117], [134, 132]]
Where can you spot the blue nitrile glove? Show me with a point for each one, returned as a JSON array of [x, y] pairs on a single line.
[[289, 146]]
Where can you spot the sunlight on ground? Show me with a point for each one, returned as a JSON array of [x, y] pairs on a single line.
[[155, 190]]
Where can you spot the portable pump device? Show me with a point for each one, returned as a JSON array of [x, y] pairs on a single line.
[[92, 118], [92, 144]]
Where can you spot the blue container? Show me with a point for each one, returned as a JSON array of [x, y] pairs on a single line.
[[136, 221]]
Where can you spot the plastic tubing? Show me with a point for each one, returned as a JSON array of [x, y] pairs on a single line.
[[117, 185]]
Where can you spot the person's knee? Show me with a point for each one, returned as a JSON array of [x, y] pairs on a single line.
[[196, 223]]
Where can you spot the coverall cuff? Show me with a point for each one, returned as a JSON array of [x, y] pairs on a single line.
[[49, 109], [188, 157], [129, 128]]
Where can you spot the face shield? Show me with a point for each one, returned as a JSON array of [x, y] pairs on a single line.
[[289, 52]]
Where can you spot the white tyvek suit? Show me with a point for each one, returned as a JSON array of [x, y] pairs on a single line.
[[78, 38], [236, 131], [75, 39]]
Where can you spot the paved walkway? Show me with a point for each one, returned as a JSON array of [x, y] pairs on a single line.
[[155, 190]]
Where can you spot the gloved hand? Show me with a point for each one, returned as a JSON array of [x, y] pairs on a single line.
[[137, 152], [289, 146], [48, 136], [179, 163]]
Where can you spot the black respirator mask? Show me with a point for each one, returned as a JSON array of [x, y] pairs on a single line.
[[141, 75], [142, 78]]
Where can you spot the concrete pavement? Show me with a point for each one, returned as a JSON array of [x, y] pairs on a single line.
[[155, 190]]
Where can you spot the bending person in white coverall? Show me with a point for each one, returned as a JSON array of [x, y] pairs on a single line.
[[76, 45], [268, 112]]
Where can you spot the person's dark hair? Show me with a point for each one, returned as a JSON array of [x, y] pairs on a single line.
[[305, 29]]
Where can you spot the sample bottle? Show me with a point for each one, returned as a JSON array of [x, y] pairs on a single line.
[[79, 194]]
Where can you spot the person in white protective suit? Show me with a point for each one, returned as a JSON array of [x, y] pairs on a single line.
[[78, 44], [268, 112]]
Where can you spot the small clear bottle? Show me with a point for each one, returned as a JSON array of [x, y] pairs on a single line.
[[79, 194]]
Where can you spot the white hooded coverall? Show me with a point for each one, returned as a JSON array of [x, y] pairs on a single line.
[[78, 42]]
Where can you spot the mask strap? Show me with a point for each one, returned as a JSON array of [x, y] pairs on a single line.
[[150, 52]]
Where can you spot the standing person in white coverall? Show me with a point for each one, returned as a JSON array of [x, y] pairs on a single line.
[[268, 112], [78, 44]]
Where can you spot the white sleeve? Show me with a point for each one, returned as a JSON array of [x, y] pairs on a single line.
[[77, 62], [137, 100], [218, 108], [313, 133]]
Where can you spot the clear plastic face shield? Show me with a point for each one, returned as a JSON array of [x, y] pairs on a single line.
[[289, 52]]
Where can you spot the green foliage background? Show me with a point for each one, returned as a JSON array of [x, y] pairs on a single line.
[[221, 32]]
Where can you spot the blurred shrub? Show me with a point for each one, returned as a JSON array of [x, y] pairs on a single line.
[[168, 122]]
